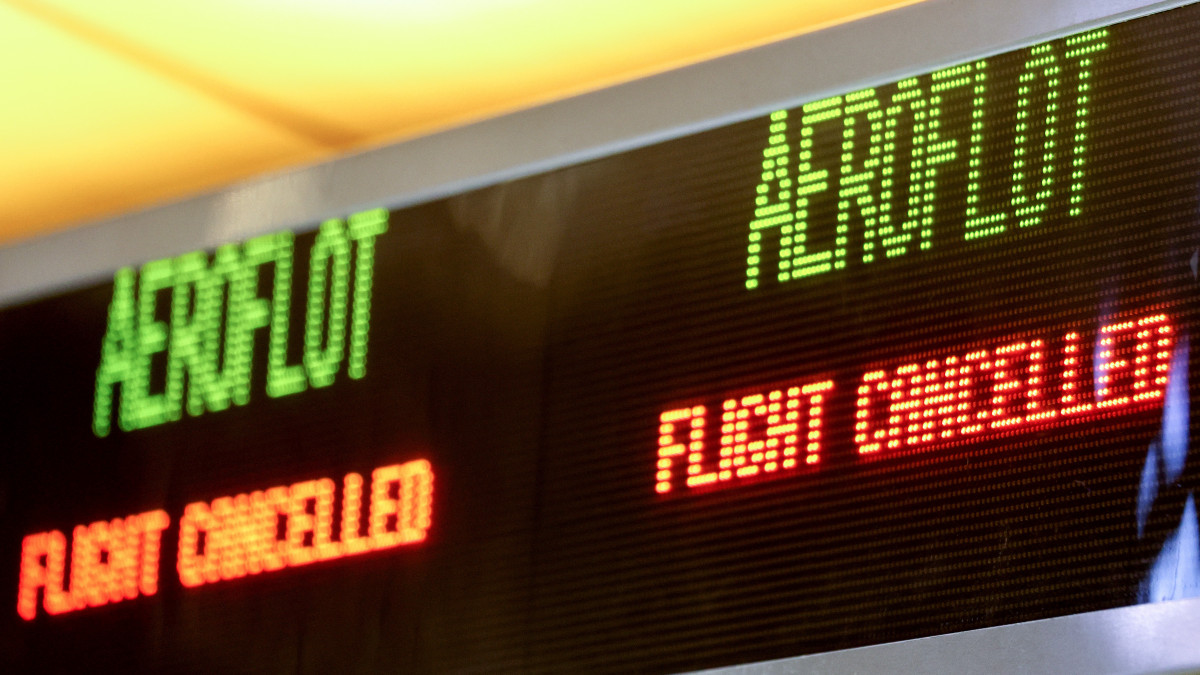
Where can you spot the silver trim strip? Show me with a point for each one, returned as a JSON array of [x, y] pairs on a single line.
[[907, 41], [1160, 638]]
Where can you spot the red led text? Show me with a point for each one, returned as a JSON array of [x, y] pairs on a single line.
[[1017, 384], [759, 434], [227, 538], [1010, 386], [111, 561], [269, 530]]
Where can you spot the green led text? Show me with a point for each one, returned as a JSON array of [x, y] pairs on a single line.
[[200, 317], [896, 150]]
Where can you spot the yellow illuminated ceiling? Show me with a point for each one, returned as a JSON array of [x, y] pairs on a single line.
[[117, 105]]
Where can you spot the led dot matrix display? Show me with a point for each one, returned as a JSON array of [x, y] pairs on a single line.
[[908, 358], [894, 142]]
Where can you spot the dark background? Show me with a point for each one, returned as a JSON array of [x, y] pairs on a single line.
[[524, 339]]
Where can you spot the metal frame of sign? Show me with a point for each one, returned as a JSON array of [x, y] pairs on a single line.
[[903, 42]]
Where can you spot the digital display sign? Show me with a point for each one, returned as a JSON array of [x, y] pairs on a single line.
[[903, 361]]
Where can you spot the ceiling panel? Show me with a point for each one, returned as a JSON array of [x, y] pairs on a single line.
[[128, 103], [86, 133]]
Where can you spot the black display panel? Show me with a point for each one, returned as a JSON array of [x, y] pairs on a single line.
[[900, 362]]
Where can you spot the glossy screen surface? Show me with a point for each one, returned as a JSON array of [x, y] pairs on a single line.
[[902, 362]]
